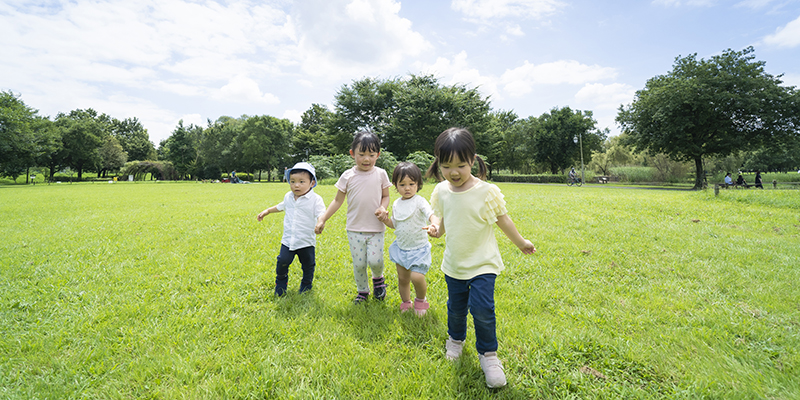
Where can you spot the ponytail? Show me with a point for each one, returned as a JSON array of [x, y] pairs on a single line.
[[482, 170]]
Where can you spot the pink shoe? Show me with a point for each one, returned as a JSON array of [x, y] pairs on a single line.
[[405, 306], [421, 307]]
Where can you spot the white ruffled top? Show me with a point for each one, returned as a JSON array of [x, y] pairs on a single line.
[[409, 217]]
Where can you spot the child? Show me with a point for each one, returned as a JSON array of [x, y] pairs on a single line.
[[367, 189], [468, 208], [302, 207], [410, 251]]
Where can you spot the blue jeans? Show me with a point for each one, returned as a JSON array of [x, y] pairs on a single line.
[[308, 263], [476, 296]]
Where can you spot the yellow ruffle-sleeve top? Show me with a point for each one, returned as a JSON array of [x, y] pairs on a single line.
[[469, 218]]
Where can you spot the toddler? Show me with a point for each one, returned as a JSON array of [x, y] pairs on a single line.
[[302, 207]]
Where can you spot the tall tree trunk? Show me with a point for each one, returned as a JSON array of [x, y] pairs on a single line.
[[698, 181]]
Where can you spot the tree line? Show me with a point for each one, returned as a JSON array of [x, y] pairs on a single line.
[[703, 111]]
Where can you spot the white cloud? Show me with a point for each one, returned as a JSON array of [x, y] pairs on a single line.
[[791, 80], [242, 89], [458, 71], [787, 36], [754, 4], [600, 96], [293, 115], [343, 38], [520, 81], [492, 9]]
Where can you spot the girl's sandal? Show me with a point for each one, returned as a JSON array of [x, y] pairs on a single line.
[[405, 306], [421, 307]]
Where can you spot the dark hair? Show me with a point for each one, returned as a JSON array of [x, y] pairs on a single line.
[[407, 169], [300, 171], [367, 141], [455, 142]]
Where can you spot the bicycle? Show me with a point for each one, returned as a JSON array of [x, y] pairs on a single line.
[[574, 181]]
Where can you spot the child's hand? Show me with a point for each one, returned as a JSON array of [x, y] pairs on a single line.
[[527, 247], [262, 214], [319, 227], [433, 230], [382, 214]]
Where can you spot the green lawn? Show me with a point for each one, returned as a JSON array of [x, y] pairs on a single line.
[[164, 290]]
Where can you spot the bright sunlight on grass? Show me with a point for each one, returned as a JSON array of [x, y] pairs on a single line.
[[164, 290]]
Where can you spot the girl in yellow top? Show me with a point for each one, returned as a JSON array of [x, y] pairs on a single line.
[[468, 209]]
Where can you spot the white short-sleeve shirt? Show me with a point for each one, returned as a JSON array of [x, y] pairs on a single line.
[[300, 219]]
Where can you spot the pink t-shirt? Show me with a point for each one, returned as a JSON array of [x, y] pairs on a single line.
[[364, 191]]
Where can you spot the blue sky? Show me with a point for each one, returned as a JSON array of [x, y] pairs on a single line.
[[167, 60]]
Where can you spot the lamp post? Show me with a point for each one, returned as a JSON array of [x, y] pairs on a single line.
[[579, 139]]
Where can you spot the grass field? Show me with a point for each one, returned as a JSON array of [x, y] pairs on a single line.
[[164, 290]]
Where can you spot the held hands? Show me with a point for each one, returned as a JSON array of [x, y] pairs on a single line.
[[382, 214], [433, 230]]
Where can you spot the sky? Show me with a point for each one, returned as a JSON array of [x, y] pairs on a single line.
[[162, 61]]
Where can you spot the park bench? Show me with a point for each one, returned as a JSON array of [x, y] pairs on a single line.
[[606, 179]]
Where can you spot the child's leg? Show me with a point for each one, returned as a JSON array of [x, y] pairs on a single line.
[[420, 285], [404, 283], [285, 258], [481, 305], [307, 258], [375, 253], [458, 295], [358, 250]]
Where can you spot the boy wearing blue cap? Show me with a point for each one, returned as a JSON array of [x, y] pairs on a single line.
[[302, 207]]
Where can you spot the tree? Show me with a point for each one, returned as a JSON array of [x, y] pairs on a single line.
[[265, 143], [612, 154], [133, 138], [82, 134], [112, 157], [423, 109], [556, 141], [365, 105], [17, 141], [181, 148], [501, 149], [312, 135], [711, 108]]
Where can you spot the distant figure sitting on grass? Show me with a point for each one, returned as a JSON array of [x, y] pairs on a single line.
[[468, 208], [302, 207], [728, 179], [367, 190], [740, 181]]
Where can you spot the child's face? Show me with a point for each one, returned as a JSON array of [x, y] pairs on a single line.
[[300, 184], [456, 171], [365, 159], [407, 187]]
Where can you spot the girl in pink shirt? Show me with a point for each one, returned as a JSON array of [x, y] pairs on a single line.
[[366, 188]]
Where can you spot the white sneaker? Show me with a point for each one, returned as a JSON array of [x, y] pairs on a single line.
[[453, 348], [493, 369]]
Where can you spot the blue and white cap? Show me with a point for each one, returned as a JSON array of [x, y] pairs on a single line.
[[304, 166]]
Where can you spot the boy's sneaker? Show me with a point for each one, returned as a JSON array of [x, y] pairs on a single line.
[[493, 369], [361, 297], [280, 290], [304, 289], [379, 288], [453, 348]]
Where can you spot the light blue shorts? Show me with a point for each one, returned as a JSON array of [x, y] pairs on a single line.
[[416, 260]]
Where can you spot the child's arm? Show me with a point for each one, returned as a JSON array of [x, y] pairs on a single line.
[[381, 212], [507, 226], [332, 208], [385, 219], [271, 210]]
